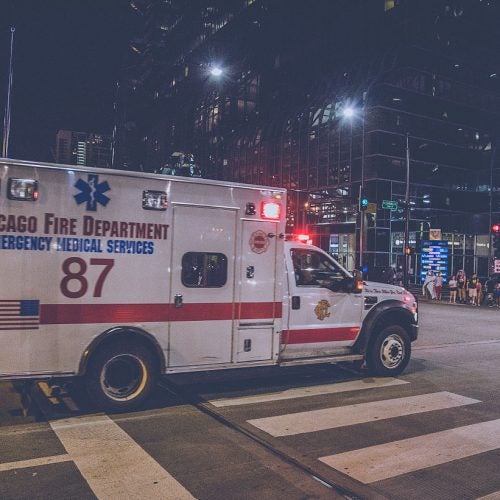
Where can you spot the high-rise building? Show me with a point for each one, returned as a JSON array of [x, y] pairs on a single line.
[[323, 97], [83, 148]]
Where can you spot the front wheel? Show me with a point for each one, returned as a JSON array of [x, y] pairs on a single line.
[[390, 351], [121, 376]]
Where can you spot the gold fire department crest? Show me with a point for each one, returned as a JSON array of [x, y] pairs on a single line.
[[321, 309]]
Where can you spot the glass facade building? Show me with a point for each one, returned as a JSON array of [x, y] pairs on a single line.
[[422, 82]]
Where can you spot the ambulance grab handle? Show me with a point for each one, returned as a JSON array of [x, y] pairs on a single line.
[[178, 300]]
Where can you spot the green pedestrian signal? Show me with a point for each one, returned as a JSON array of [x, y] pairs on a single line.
[[363, 203]]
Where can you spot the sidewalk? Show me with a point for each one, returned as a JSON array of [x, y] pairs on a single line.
[[445, 297]]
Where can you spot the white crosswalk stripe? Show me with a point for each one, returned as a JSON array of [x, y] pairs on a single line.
[[113, 464], [316, 390], [492, 496], [331, 418], [408, 455], [389, 460]]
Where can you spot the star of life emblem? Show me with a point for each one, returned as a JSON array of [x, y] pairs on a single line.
[[92, 192]]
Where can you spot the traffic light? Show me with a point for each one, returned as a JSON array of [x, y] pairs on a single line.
[[408, 251], [363, 201], [495, 240]]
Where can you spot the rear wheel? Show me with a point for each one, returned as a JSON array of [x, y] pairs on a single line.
[[390, 351], [120, 376]]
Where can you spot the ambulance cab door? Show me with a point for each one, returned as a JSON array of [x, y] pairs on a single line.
[[323, 314], [202, 292]]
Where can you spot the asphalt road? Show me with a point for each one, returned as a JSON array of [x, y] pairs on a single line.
[[295, 433]]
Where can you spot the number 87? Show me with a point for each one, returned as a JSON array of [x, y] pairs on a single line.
[[79, 276]]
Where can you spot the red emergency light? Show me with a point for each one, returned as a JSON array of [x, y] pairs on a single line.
[[495, 228], [303, 238], [270, 210]]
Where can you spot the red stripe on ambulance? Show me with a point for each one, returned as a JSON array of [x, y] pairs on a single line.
[[68, 314], [315, 335]]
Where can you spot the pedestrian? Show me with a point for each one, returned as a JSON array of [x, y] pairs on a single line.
[[497, 294], [489, 290], [461, 286], [479, 292], [399, 276], [438, 283], [428, 287], [453, 290], [472, 287]]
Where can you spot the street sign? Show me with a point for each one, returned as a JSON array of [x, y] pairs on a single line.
[[389, 204]]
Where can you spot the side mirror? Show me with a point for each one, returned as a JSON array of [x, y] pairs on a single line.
[[356, 284]]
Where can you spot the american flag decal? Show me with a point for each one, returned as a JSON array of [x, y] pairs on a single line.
[[19, 314]]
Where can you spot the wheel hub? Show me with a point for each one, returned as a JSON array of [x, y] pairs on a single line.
[[123, 377], [392, 351]]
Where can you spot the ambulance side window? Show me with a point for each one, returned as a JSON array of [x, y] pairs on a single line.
[[315, 269], [204, 270]]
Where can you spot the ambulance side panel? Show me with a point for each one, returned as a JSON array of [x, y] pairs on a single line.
[[79, 282], [87, 259]]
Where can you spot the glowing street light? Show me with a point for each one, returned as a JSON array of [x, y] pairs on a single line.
[[216, 71], [348, 112]]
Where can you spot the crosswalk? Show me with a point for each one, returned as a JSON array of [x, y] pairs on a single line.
[[385, 461], [446, 429]]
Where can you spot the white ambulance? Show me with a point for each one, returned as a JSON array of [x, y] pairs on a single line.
[[120, 277]]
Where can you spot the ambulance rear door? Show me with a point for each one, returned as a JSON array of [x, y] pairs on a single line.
[[202, 292]]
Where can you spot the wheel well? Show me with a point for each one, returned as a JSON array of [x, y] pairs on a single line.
[[116, 335], [393, 316]]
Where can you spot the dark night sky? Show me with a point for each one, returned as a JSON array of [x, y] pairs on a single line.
[[67, 58]]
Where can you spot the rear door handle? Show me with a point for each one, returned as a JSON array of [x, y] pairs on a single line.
[[178, 300]]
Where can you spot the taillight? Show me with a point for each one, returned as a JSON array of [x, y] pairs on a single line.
[[270, 210]]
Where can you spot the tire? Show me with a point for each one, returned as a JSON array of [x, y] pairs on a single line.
[[121, 375], [389, 352]]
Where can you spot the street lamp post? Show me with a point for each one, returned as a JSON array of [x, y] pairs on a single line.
[[349, 113], [490, 225], [362, 185], [406, 257], [6, 118]]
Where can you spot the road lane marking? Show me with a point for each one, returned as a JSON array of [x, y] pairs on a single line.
[[316, 390], [112, 463], [331, 418], [492, 496], [385, 461], [34, 462], [453, 344]]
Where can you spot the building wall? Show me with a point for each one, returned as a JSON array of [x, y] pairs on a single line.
[[83, 148]]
